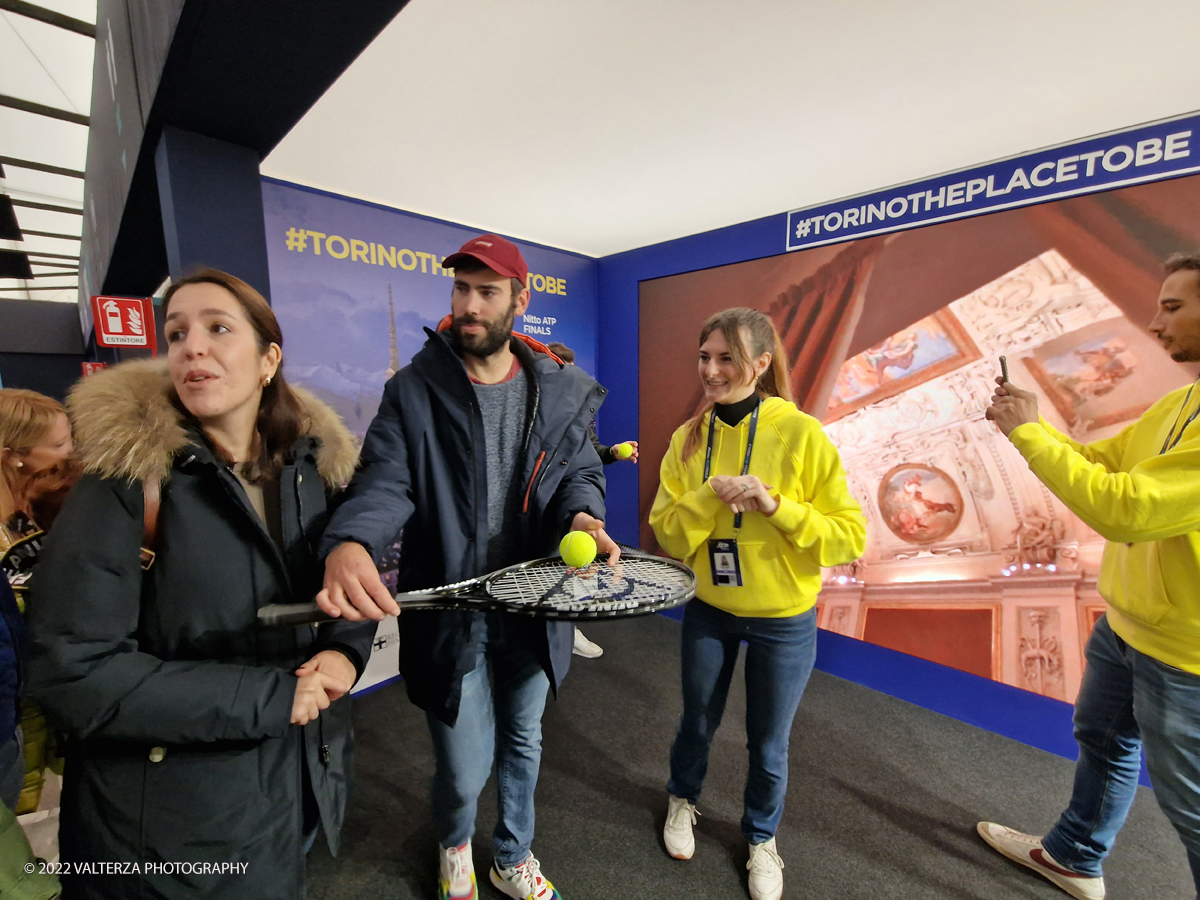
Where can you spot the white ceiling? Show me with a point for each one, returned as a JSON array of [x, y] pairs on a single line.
[[53, 67], [604, 126]]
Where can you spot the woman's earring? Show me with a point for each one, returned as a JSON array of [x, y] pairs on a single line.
[[20, 464], [268, 381]]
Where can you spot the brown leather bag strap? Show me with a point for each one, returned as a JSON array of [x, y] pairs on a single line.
[[151, 498]]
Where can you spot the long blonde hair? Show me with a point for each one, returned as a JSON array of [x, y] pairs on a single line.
[[763, 338], [26, 417]]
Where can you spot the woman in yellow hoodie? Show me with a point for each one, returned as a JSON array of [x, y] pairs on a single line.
[[752, 496]]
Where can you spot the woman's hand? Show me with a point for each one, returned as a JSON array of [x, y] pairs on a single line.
[[744, 493], [313, 695], [335, 664]]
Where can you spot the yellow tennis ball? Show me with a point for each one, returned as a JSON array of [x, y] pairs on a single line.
[[578, 549], [623, 451]]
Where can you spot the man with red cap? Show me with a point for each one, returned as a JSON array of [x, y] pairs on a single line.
[[480, 451]]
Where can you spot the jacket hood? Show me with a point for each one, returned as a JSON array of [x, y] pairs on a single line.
[[126, 426]]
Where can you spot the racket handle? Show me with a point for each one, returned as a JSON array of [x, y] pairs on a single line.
[[292, 614]]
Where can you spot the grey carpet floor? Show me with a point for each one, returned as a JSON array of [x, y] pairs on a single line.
[[882, 803]]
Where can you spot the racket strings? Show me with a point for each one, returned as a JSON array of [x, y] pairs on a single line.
[[636, 582]]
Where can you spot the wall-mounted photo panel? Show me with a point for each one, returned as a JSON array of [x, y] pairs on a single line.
[[893, 344]]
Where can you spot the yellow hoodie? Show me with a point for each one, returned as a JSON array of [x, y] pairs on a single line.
[[1147, 505], [818, 522]]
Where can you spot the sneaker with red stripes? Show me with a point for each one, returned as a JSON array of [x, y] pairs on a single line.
[[1029, 852], [524, 881]]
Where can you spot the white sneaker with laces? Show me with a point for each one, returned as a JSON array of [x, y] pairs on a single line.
[[766, 871], [585, 648], [1029, 852], [456, 873], [524, 881], [677, 831]]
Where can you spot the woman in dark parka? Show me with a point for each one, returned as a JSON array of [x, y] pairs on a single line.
[[203, 750]]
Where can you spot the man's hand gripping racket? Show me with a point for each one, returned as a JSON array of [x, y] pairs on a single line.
[[635, 584]]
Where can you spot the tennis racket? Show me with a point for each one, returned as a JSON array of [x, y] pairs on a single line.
[[639, 584]]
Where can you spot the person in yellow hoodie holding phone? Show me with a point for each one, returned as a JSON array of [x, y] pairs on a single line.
[[1141, 491], [752, 496]]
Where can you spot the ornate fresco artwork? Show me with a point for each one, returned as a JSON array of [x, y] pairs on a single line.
[[1097, 376], [1041, 654], [1037, 538], [926, 349], [920, 504]]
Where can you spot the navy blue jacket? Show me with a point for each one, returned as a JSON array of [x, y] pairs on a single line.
[[424, 469], [12, 637]]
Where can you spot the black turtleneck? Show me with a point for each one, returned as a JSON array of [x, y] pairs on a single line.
[[732, 413]]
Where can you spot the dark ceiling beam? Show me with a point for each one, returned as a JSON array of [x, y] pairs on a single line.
[[49, 16], [37, 166], [40, 109], [50, 207], [243, 73], [34, 289], [51, 234], [10, 229], [40, 255]]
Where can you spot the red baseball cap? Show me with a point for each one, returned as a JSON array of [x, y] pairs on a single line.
[[497, 253]]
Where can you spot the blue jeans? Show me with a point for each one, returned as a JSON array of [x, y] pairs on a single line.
[[500, 718], [779, 659], [1129, 700]]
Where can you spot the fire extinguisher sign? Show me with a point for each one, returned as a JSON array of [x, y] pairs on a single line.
[[124, 322]]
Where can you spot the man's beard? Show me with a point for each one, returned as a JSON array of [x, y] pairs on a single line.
[[490, 341]]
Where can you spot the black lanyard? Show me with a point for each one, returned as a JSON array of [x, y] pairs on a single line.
[[712, 426], [1169, 444]]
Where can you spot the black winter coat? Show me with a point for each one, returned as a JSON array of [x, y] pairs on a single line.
[[176, 704], [424, 468]]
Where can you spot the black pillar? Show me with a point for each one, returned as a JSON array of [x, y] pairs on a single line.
[[212, 213]]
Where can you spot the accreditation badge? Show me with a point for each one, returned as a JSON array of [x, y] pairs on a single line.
[[723, 562]]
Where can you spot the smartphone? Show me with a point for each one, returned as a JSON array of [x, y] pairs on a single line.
[[1004, 368]]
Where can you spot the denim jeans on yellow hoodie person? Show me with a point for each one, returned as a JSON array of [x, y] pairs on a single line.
[[818, 523], [1142, 683]]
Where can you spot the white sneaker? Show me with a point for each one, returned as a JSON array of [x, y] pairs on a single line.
[[456, 873], [1028, 851], [524, 881], [585, 648], [766, 871], [677, 831]]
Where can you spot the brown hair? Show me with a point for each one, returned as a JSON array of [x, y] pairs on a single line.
[[763, 338], [281, 415], [469, 266], [562, 351], [1180, 261], [25, 419]]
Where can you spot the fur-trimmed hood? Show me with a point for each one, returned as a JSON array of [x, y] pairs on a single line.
[[126, 427]]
